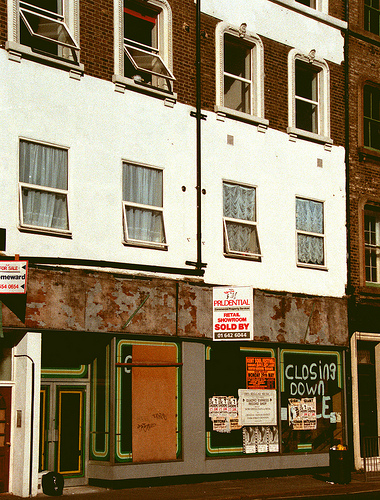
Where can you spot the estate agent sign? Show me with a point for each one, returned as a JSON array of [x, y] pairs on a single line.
[[233, 313], [13, 276]]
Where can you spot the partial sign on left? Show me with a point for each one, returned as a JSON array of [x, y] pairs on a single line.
[[13, 276]]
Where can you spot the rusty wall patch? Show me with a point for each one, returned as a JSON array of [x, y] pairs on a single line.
[[78, 300]]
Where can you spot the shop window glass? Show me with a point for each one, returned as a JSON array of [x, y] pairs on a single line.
[[100, 405], [307, 376], [309, 383]]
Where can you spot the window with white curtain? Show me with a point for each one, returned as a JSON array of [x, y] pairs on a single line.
[[43, 181], [239, 220], [310, 232], [143, 205]]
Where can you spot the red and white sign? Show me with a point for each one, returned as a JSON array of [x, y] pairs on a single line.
[[233, 313], [13, 276]]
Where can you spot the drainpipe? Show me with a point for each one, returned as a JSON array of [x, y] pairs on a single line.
[[198, 115], [31, 421]]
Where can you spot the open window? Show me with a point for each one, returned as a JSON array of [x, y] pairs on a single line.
[[240, 221], [43, 28], [143, 212], [43, 184], [142, 60], [144, 51], [310, 232], [309, 97], [46, 30]]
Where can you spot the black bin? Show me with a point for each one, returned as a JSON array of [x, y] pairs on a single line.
[[340, 467], [52, 483]]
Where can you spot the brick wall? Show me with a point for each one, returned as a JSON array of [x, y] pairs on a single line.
[[3, 22], [364, 170], [337, 9], [96, 37]]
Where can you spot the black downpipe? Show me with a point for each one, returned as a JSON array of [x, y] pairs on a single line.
[[199, 143], [198, 115]]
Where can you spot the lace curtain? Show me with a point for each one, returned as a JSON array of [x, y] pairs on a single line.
[[239, 202], [309, 218], [46, 166], [143, 185]]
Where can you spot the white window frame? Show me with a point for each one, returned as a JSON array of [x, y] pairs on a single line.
[[371, 212], [257, 74], [38, 187], [227, 250], [310, 233], [323, 81], [69, 19], [125, 204], [164, 51]]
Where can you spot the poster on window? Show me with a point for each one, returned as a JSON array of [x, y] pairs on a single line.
[[257, 407], [223, 411], [260, 439], [261, 373], [303, 414], [233, 313]]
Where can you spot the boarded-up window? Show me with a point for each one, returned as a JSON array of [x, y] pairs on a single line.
[[147, 402]]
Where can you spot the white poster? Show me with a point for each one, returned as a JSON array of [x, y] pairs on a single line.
[[233, 313], [257, 407], [303, 414]]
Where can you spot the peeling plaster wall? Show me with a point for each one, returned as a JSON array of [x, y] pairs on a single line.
[[76, 300]]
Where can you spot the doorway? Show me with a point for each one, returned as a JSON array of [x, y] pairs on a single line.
[[62, 428], [365, 369], [5, 412]]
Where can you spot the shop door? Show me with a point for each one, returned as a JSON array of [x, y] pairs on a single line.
[[367, 397], [5, 411], [64, 423]]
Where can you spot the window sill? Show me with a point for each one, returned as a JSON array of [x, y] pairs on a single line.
[[16, 52], [373, 285], [142, 244], [314, 13], [254, 258], [45, 231], [367, 153], [122, 83], [312, 266], [295, 133], [223, 112]]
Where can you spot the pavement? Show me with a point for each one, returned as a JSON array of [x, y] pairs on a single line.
[[311, 487]]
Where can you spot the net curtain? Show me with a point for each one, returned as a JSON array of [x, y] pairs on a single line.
[[239, 202], [143, 185], [309, 218], [42, 165]]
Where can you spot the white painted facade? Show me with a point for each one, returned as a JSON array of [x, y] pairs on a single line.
[[102, 127]]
